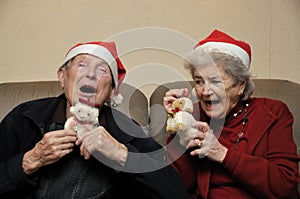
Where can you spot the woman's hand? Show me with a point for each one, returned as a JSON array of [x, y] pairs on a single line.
[[101, 141], [172, 95], [206, 143], [53, 146]]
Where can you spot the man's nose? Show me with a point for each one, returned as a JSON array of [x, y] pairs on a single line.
[[91, 73]]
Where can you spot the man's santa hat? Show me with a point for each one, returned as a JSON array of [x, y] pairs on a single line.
[[108, 52], [219, 41]]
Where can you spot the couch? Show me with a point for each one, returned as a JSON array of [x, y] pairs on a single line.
[[149, 113]]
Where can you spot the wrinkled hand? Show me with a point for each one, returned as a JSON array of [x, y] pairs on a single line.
[[53, 146], [206, 143], [172, 95], [101, 141]]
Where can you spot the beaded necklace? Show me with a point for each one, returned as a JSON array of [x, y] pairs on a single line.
[[244, 122]]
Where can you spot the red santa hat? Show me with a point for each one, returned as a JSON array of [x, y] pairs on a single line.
[[108, 52], [221, 42]]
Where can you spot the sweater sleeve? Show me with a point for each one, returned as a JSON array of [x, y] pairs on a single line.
[[271, 169], [12, 176], [184, 164]]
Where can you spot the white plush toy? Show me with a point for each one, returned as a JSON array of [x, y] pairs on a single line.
[[180, 119], [84, 118]]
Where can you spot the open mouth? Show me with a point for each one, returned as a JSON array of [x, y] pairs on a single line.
[[87, 89], [211, 102]]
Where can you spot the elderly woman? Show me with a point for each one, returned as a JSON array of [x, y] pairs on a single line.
[[244, 146], [41, 159]]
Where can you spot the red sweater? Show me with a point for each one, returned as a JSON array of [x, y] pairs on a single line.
[[264, 166]]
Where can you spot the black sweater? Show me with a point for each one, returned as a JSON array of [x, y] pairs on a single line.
[[145, 174]]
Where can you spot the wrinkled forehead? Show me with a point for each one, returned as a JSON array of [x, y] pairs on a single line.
[[91, 59], [209, 70]]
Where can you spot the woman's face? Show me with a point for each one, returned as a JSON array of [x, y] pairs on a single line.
[[87, 78], [214, 87]]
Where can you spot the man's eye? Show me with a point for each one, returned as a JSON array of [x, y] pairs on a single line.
[[101, 70]]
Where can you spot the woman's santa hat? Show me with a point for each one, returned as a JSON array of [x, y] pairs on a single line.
[[219, 41], [108, 52]]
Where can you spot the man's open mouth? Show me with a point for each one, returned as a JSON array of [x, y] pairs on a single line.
[[87, 89]]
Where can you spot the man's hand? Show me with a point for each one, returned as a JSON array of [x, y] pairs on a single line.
[[101, 141], [50, 149]]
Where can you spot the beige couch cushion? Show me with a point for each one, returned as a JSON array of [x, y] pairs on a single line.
[[14, 93]]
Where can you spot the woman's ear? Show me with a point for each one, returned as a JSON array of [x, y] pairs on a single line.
[[242, 87], [61, 76]]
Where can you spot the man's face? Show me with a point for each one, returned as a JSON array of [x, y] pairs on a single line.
[[87, 78]]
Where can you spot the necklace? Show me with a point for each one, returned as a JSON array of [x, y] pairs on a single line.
[[244, 122]]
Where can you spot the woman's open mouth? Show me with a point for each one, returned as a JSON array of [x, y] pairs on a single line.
[[211, 102]]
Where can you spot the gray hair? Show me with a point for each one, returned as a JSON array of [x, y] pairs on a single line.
[[233, 66], [67, 64]]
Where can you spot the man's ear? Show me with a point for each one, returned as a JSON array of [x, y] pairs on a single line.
[[61, 76]]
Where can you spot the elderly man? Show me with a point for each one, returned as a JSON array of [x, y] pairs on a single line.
[[41, 159]]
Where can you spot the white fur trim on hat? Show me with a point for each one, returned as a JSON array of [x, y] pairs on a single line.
[[227, 48]]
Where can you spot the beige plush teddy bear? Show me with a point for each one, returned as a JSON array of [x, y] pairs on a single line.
[[84, 118], [180, 119]]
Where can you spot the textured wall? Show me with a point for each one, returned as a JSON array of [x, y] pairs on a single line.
[[35, 35]]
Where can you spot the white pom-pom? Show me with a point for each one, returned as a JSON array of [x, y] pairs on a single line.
[[116, 100]]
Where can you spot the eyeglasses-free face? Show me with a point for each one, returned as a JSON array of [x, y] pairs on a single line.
[[216, 91], [86, 77]]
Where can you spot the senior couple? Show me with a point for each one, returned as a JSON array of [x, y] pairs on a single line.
[[243, 148]]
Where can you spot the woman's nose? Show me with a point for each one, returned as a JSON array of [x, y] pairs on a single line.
[[207, 90]]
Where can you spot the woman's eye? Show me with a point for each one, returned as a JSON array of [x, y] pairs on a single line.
[[199, 82], [217, 82]]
